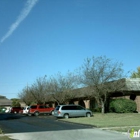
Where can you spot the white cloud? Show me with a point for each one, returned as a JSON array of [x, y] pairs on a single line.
[[24, 13]]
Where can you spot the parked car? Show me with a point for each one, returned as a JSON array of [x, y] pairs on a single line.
[[2, 110], [26, 110], [66, 111], [16, 110], [40, 109], [8, 110]]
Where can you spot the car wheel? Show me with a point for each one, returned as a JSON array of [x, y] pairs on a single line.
[[66, 116], [88, 115], [36, 113], [29, 114], [52, 112]]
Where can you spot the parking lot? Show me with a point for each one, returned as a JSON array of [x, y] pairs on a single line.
[[48, 127]]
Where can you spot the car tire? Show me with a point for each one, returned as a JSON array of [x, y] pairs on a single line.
[[52, 112], [66, 116], [29, 114], [36, 113], [88, 115]]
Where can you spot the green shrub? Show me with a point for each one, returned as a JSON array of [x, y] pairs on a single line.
[[15, 102], [122, 106]]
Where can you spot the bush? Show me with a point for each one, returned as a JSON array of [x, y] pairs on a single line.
[[122, 106], [16, 103]]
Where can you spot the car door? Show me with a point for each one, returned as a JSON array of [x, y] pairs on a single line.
[[41, 109], [47, 109], [71, 110], [80, 111], [74, 111]]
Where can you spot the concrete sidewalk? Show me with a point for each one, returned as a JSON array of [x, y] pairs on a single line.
[[77, 134]]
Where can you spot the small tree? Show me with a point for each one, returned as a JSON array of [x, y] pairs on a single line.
[[136, 74], [101, 76], [26, 96], [60, 87], [36, 93], [15, 102], [39, 90]]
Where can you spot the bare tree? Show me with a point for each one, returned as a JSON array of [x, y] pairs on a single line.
[[61, 87], [101, 76], [36, 93], [39, 90], [26, 96]]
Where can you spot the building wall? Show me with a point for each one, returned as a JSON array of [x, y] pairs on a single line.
[[89, 102], [137, 100]]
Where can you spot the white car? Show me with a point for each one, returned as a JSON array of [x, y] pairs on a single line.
[[26, 109], [8, 110]]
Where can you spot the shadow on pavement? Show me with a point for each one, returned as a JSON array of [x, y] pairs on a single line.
[[8, 116], [15, 123]]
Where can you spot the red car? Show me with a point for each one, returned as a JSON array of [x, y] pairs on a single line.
[[16, 110], [40, 109]]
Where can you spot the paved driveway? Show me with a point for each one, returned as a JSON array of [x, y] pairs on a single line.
[[48, 128]]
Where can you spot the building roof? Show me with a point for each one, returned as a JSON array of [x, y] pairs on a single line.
[[4, 101], [133, 84], [129, 86]]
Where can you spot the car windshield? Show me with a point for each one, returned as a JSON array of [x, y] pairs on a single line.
[[26, 108]]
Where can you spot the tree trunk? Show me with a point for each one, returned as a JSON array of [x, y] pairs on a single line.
[[103, 107]]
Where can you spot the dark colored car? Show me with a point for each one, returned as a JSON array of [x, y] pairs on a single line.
[[16, 110]]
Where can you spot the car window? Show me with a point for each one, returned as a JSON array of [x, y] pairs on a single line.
[[65, 108], [16, 107], [46, 106], [80, 108], [41, 106], [69, 108], [33, 107], [25, 108], [57, 108]]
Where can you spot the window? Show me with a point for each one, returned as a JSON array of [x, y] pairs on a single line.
[[33, 107], [69, 108], [80, 108], [41, 106], [57, 108], [65, 108]]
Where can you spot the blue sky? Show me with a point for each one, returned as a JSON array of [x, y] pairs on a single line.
[[44, 37]]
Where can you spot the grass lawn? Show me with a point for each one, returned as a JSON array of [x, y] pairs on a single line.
[[115, 121], [112, 121], [2, 137]]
